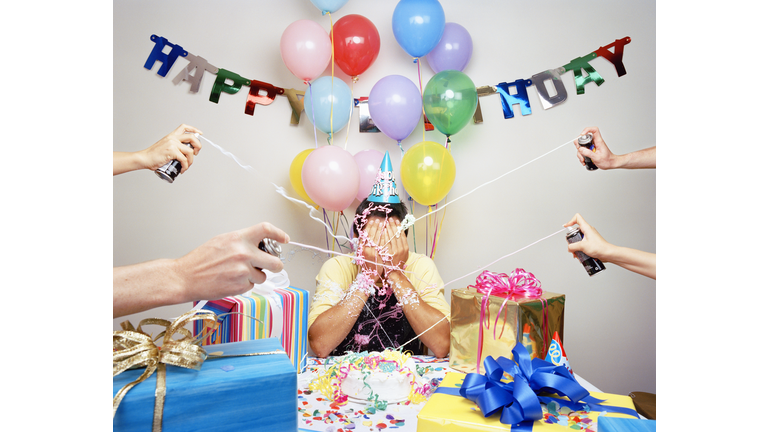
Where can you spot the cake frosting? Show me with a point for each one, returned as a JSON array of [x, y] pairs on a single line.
[[376, 378]]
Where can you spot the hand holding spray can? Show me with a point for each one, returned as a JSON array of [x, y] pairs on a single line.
[[169, 171], [593, 266], [586, 141]]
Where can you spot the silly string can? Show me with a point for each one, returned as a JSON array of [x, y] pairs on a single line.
[[593, 266], [586, 141], [271, 247], [169, 171]]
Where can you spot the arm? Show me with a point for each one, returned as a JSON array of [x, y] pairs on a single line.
[[606, 160], [594, 245], [420, 314], [340, 311], [170, 147], [331, 327], [223, 266]]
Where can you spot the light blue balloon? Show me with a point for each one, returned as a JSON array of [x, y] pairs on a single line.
[[328, 97], [329, 6], [418, 25]]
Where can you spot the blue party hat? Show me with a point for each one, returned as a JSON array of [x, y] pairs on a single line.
[[384, 189]]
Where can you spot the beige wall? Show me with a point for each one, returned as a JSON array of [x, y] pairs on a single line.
[[610, 319]]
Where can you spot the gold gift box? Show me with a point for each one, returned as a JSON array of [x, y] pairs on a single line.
[[522, 320]]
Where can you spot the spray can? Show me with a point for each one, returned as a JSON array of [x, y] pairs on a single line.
[[271, 247], [586, 141], [593, 266], [169, 171]]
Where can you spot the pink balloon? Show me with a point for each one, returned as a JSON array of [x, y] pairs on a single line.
[[331, 178], [368, 163], [306, 49]]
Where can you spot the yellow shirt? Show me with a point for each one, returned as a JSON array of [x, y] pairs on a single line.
[[338, 273]]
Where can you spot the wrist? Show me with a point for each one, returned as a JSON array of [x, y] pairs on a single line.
[[618, 161], [608, 253], [176, 284]]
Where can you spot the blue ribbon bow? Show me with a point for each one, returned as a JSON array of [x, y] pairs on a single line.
[[520, 400]]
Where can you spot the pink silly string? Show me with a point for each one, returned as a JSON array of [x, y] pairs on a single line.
[[519, 283]]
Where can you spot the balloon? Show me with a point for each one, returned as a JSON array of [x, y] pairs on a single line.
[[356, 44], [295, 175], [450, 100], [329, 6], [453, 51], [418, 25], [395, 106], [330, 177], [330, 101], [368, 164], [306, 49], [428, 171]]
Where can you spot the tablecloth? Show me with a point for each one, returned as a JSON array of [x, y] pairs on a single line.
[[316, 413]]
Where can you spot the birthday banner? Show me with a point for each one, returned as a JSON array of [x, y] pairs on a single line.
[[514, 92]]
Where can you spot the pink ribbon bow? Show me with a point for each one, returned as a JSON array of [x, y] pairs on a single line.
[[518, 283]]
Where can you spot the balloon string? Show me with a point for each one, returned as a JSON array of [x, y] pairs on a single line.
[[505, 174], [349, 122], [312, 105], [333, 60], [413, 227], [325, 219], [434, 239], [421, 91], [440, 229]]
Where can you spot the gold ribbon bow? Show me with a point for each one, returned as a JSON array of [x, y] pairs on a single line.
[[132, 348]]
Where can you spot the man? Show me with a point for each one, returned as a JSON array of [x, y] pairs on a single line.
[[385, 296]]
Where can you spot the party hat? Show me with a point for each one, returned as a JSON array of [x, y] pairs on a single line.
[[384, 189], [556, 353]]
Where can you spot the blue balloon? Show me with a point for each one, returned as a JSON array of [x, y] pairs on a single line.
[[328, 101], [418, 25], [329, 6]]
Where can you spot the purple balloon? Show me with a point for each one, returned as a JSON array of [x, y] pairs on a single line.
[[453, 51], [395, 106]]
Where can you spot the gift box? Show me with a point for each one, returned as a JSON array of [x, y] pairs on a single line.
[[246, 391], [447, 410], [280, 311], [491, 324]]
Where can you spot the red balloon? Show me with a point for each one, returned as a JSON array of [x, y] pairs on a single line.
[[356, 44]]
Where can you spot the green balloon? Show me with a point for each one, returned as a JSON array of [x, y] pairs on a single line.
[[450, 100]]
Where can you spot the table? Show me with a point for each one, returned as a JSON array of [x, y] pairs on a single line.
[[319, 414]]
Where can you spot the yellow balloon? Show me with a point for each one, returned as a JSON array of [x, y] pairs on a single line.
[[427, 172], [295, 174]]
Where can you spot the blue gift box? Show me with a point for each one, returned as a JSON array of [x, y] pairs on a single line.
[[226, 394]]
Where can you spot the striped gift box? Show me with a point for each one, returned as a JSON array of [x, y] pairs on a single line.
[[282, 314]]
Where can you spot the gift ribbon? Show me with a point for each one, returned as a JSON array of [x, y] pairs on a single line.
[[267, 289], [520, 400], [133, 348], [519, 283]]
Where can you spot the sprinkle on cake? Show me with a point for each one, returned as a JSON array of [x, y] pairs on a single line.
[[376, 378]]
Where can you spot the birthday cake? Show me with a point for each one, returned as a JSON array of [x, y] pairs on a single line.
[[376, 378]]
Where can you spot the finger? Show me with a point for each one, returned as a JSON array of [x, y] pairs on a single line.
[[262, 260], [572, 221], [259, 232], [187, 128], [182, 158], [256, 276], [590, 129], [192, 140]]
